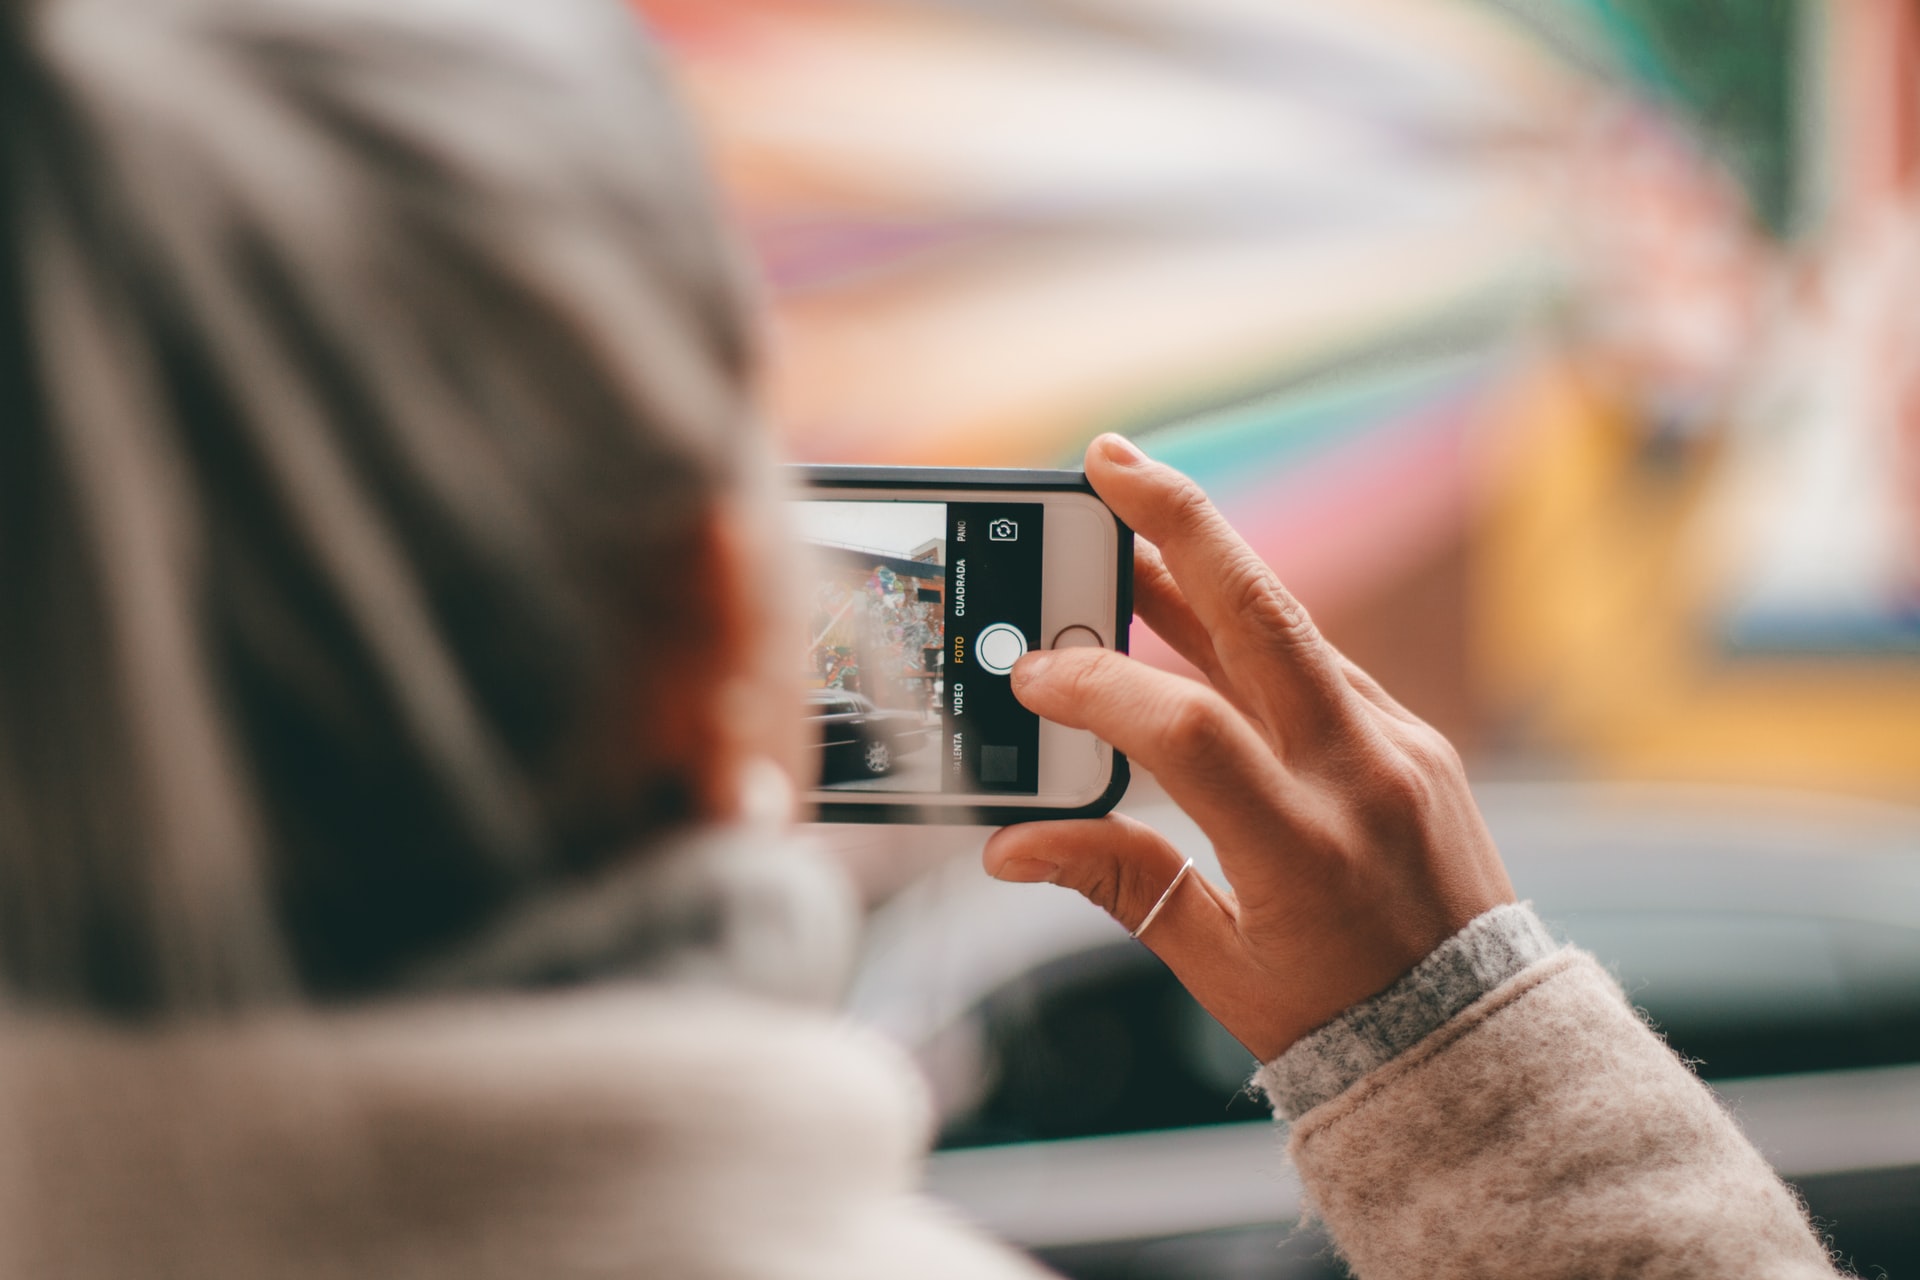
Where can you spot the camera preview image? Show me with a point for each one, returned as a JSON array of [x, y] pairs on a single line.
[[876, 641]]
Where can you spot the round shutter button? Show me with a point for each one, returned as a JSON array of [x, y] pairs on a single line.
[[998, 647]]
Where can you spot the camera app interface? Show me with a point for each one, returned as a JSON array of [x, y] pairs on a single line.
[[918, 612]]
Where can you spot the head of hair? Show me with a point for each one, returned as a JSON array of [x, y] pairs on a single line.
[[365, 368]]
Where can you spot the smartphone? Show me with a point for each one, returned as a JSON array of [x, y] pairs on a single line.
[[925, 586]]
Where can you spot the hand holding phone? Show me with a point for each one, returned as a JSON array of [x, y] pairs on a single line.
[[927, 586], [1343, 823]]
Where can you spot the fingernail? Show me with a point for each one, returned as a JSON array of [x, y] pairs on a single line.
[[1026, 870], [1120, 451], [1030, 668]]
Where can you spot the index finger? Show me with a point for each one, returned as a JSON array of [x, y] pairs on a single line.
[[1262, 635], [1186, 735]]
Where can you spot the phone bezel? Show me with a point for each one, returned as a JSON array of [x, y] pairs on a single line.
[[925, 484]]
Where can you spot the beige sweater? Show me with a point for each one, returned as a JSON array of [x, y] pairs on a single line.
[[1546, 1132], [631, 1132], [619, 1134]]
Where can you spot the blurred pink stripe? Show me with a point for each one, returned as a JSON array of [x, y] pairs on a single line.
[[1343, 529]]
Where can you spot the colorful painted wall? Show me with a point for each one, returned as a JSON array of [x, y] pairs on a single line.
[[1570, 398]]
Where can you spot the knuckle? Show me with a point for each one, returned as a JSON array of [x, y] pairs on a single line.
[[1139, 890], [1101, 887], [1121, 887], [1191, 510], [1424, 766], [1197, 726], [1271, 609], [1151, 571], [1134, 890], [1403, 784], [1433, 757]]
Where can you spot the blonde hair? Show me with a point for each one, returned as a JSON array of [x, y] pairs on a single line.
[[364, 365]]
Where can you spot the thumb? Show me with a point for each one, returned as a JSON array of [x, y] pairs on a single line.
[[1126, 868]]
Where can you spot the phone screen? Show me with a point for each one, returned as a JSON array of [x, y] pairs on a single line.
[[917, 612]]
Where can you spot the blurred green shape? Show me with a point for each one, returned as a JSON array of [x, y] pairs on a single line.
[[1731, 67]]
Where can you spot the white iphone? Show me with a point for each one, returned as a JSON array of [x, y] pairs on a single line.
[[926, 585]]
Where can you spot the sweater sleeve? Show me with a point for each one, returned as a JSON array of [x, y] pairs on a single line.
[[1544, 1131], [1491, 949]]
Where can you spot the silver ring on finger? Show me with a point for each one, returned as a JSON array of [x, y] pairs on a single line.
[[1165, 897]]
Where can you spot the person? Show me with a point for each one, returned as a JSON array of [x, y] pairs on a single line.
[[397, 746]]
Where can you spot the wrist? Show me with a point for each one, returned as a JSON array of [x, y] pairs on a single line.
[[1324, 1063]]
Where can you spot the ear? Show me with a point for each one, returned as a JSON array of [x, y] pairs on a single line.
[[722, 698]]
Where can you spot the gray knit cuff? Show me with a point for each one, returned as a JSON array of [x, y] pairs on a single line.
[[1324, 1063]]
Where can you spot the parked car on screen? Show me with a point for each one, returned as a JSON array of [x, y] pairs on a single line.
[[1095, 1115], [856, 739]]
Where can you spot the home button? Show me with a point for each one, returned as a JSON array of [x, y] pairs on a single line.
[[1078, 638]]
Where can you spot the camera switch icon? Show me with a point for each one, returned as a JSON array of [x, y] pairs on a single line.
[[1003, 530]]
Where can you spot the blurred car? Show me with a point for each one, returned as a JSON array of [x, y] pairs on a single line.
[[858, 740], [1093, 1114]]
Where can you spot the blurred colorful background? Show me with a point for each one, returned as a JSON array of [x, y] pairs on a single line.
[[1560, 354], [1557, 352]]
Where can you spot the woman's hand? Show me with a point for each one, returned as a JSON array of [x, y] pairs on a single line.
[[1350, 843]]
